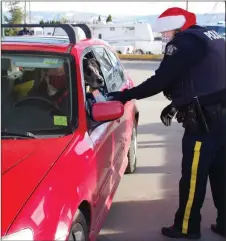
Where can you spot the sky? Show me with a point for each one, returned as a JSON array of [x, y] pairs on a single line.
[[125, 8]]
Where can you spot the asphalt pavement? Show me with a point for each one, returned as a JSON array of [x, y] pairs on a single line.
[[147, 200]]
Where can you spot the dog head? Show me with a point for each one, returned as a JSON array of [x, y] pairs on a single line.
[[92, 74]]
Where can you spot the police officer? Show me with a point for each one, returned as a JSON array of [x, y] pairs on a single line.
[[192, 76]]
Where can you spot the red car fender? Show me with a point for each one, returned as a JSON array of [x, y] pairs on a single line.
[[50, 210]]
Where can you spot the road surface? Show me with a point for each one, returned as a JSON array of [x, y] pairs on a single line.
[[148, 199]]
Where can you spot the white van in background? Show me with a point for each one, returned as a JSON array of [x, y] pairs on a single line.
[[37, 31], [137, 38], [138, 35]]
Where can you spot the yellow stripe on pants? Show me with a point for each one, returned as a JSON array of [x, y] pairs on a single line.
[[194, 170]]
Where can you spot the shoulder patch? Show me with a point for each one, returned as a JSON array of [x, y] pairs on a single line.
[[171, 49]]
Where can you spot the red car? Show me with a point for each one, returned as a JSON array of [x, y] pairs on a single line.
[[64, 148]]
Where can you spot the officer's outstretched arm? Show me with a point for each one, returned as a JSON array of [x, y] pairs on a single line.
[[181, 55]]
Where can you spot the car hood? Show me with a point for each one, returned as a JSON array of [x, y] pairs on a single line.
[[24, 164]]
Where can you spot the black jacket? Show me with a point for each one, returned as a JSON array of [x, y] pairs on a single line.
[[193, 65]]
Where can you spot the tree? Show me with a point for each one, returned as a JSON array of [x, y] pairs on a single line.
[[99, 19], [109, 18], [16, 16], [63, 20], [42, 22]]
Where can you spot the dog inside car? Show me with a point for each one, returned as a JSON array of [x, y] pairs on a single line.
[[92, 74]]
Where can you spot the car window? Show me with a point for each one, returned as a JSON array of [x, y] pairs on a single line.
[[116, 63], [35, 93], [106, 66], [104, 59], [93, 92], [93, 73], [118, 70]]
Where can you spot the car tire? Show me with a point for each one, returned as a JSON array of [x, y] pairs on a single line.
[[79, 230], [132, 153]]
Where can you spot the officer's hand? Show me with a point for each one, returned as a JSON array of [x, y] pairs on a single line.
[[118, 96], [167, 115]]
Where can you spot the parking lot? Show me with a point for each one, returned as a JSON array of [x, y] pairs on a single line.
[[148, 199]]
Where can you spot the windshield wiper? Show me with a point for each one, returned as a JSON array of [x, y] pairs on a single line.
[[61, 131], [6, 133]]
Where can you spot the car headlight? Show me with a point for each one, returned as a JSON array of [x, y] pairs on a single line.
[[25, 234]]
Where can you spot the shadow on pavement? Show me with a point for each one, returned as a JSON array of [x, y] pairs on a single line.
[[150, 146], [141, 218], [169, 144], [141, 221], [150, 170], [144, 65]]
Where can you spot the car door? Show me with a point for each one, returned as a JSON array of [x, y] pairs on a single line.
[[101, 136], [120, 83], [114, 82], [109, 76]]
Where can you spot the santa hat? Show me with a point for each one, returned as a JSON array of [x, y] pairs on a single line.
[[174, 18]]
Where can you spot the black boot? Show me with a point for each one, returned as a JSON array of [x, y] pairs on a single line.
[[172, 232], [218, 230]]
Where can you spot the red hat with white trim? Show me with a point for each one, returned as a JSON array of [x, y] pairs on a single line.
[[174, 18]]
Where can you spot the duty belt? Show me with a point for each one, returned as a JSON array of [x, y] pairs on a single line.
[[193, 117]]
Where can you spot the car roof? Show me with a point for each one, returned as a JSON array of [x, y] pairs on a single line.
[[59, 44]]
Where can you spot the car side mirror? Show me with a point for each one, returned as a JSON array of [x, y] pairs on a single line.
[[107, 111]]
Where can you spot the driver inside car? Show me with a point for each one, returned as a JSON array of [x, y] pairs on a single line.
[[54, 87], [57, 88]]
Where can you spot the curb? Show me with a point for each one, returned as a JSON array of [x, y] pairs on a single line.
[[140, 56]]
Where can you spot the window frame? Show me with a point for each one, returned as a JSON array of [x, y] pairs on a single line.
[[112, 67], [91, 124], [115, 71], [123, 80]]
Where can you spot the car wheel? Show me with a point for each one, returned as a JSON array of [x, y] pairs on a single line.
[[79, 230], [132, 153]]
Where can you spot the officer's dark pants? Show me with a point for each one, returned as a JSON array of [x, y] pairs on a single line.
[[203, 156]]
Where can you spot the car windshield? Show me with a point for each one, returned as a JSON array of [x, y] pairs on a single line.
[[35, 94]]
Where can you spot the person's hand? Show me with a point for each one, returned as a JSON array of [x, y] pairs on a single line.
[[118, 96], [168, 114]]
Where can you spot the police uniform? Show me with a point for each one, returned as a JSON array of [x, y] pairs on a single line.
[[192, 73]]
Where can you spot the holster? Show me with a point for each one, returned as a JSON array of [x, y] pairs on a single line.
[[187, 116], [193, 117]]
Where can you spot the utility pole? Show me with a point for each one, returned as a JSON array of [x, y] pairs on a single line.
[[3, 29], [30, 11], [187, 5], [25, 12]]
